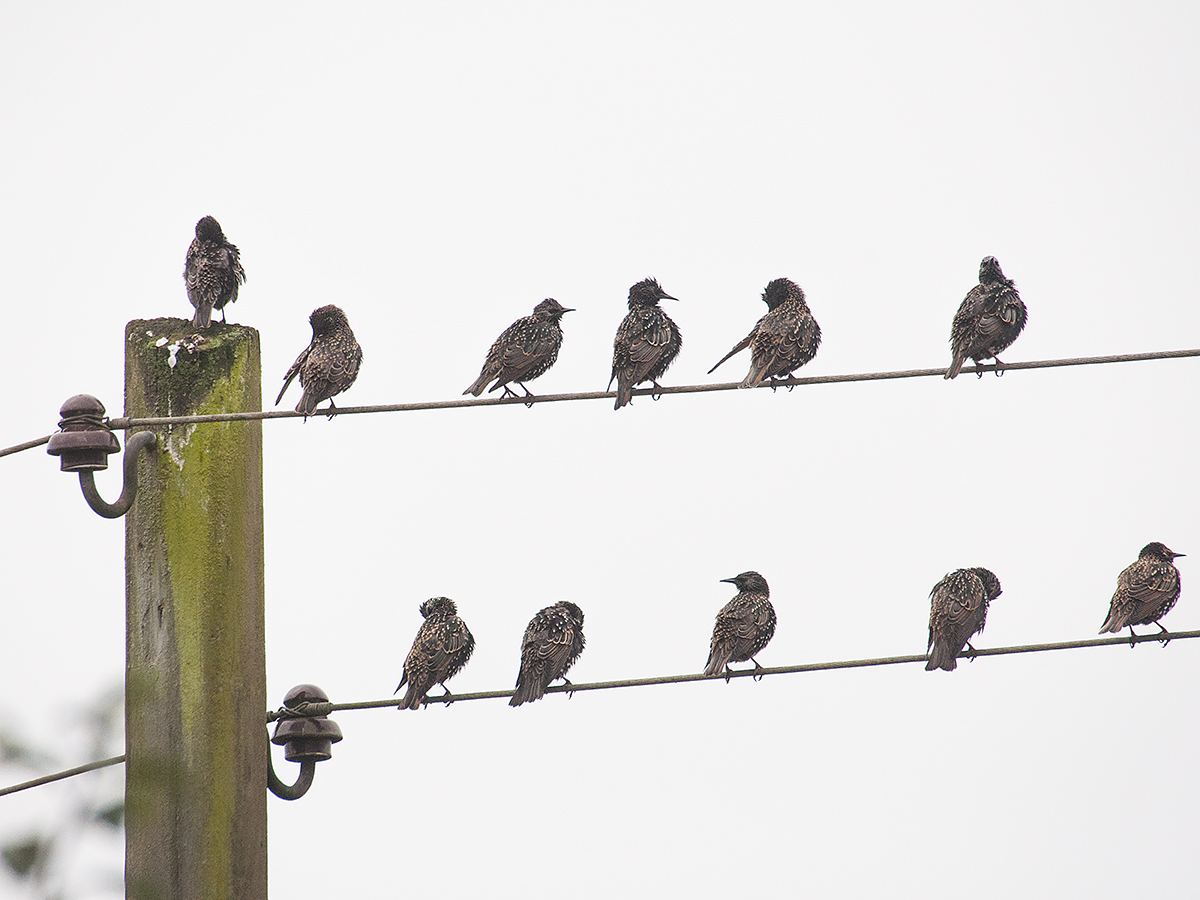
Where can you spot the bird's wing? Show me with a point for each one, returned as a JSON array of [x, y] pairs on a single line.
[[1148, 582], [521, 357], [648, 346], [957, 599], [293, 372], [741, 618], [443, 647], [738, 348]]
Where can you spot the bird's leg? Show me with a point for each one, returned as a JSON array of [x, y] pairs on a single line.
[[508, 392], [658, 387], [223, 315], [998, 368], [570, 687], [971, 653], [1163, 631], [728, 673], [331, 411], [528, 396], [1133, 637], [447, 697], [759, 672]]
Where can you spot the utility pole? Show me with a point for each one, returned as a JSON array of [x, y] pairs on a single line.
[[195, 678]]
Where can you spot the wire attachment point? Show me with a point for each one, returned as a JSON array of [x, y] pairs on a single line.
[[84, 444], [307, 738]]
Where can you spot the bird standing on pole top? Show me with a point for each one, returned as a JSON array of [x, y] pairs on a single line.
[[783, 340], [958, 606], [212, 271], [988, 320], [553, 641], [442, 647], [526, 349], [1145, 593], [744, 626], [647, 341], [328, 365]]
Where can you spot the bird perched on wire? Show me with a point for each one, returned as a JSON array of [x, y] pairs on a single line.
[[988, 320], [958, 606], [553, 641], [212, 270], [1145, 593], [783, 340], [328, 365], [647, 341], [744, 625], [526, 349], [440, 650]]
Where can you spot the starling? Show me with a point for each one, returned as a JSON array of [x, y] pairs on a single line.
[[527, 348], [989, 319], [553, 641], [1145, 593], [440, 650], [328, 365], [647, 341], [958, 606], [212, 271], [744, 625], [783, 340]]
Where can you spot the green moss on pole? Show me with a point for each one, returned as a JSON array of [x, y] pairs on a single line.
[[196, 785]]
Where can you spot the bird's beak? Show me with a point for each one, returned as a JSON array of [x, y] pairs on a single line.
[[668, 297], [1173, 555], [568, 309], [723, 580]]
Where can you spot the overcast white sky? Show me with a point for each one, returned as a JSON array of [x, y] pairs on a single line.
[[436, 170]]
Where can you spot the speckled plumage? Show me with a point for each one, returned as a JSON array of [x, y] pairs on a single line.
[[1146, 591], [958, 606], [328, 365], [526, 349], [647, 341], [212, 271], [783, 340], [553, 641], [988, 320], [440, 650], [744, 626]]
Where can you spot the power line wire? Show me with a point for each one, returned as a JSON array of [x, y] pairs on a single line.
[[124, 422], [67, 773], [28, 445], [120, 423], [324, 709]]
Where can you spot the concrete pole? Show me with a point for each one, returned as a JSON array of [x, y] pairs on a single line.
[[195, 689]]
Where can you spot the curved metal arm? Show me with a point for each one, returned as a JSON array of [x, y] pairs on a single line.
[[290, 791], [147, 440]]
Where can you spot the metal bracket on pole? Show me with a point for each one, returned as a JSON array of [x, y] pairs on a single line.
[[84, 444], [307, 737]]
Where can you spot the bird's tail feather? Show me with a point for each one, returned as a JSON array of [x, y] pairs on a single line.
[[307, 404], [956, 366], [942, 657], [754, 377], [624, 391], [526, 691], [478, 386], [203, 316], [718, 659], [412, 700]]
